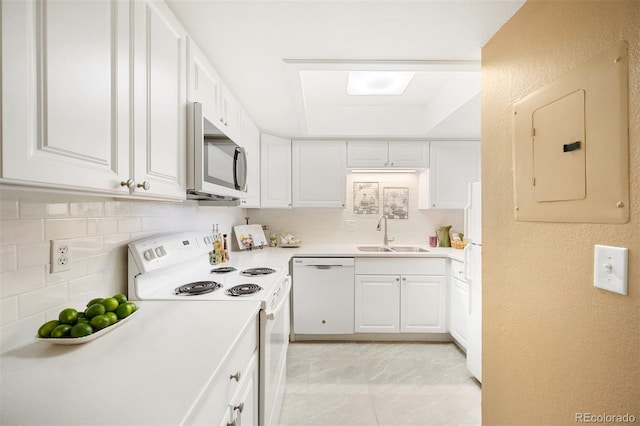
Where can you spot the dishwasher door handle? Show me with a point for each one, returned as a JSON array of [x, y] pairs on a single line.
[[325, 266]]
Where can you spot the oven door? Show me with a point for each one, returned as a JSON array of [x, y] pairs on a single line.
[[274, 342]]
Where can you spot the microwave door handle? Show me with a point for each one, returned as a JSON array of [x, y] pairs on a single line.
[[240, 151]]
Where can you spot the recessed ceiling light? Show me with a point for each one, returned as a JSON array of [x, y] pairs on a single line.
[[378, 82]]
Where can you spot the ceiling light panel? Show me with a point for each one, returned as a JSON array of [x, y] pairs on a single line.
[[378, 82]]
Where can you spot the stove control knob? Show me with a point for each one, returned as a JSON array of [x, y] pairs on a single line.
[[160, 251], [149, 254]]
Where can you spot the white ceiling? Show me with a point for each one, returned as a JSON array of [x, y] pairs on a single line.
[[287, 61]]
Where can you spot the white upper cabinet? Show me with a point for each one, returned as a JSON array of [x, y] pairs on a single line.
[[319, 173], [65, 100], [205, 85], [160, 97], [68, 89], [275, 171], [251, 141], [453, 165], [230, 120], [379, 154]]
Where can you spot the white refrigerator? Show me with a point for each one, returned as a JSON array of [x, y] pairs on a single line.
[[473, 276]]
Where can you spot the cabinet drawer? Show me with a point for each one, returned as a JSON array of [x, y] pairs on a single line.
[[457, 269], [216, 397], [401, 266]]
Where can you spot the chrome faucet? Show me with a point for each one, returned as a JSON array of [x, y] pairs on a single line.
[[386, 239]]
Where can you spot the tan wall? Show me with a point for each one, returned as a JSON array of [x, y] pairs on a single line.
[[554, 345]]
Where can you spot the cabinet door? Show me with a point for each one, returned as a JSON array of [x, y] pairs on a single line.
[[377, 304], [245, 403], [231, 114], [319, 173], [409, 154], [367, 153], [160, 101], [251, 144], [65, 94], [205, 86], [275, 171], [424, 301], [453, 164], [458, 310]]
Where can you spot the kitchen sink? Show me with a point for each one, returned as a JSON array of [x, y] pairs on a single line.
[[396, 249], [374, 249], [408, 249]]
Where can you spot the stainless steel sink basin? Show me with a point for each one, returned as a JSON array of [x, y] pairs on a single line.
[[408, 249], [374, 249], [392, 249]]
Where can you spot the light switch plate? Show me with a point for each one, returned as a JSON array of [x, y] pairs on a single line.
[[610, 268]]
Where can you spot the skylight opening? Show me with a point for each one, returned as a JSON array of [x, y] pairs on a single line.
[[378, 82]]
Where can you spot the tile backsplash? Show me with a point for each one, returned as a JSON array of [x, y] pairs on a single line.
[[99, 231], [344, 226]]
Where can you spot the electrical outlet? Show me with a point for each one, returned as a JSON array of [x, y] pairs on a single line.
[[60, 256]]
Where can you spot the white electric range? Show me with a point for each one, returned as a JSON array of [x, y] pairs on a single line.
[[176, 267]]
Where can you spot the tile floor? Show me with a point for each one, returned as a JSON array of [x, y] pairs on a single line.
[[340, 384]]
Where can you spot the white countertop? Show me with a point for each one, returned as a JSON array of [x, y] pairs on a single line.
[[279, 256], [149, 371]]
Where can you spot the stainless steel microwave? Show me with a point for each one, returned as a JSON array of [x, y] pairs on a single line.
[[216, 165]]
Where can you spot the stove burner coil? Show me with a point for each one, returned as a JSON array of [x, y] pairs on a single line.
[[223, 270], [197, 288], [244, 290], [252, 272]]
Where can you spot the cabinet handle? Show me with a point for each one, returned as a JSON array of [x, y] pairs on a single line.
[[239, 407], [392, 164], [144, 185], [128, 183], [404, 278], [235, 376], [397, 279]]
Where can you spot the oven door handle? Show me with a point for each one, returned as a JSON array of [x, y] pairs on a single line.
[[287, 286]]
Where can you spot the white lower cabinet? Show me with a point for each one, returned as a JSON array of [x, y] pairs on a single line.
[[458, 304], [400, 295], [243, 410], [231, 396]]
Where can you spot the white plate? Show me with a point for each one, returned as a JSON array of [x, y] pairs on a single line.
[[85, 339]]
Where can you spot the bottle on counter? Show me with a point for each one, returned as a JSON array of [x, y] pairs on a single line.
[[213, 257], [225, 249], [217, 246]]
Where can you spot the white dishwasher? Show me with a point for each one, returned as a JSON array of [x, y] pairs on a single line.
[[323, 295]]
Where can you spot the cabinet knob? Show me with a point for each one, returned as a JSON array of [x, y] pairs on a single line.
[[233, 423], [235, 376], [392, 164], [128, 183], [397, 279], [144, 185], [239, 407], [404, 278]]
